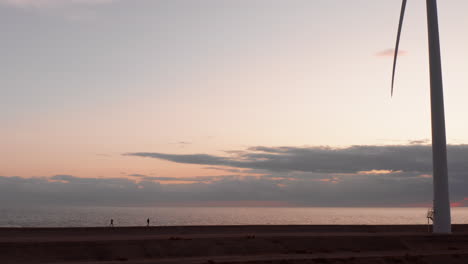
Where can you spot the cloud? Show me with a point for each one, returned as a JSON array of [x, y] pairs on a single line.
[[390, 53], [355, 175], [297, 189], [395, 175], [52, 3], [204, 179], [137, 175], [420, 141], [406, 158], [377, 172], [71, 10], [188, 159], [72, 190], [233, 170], [293, 188]]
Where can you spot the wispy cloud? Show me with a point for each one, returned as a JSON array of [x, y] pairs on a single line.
[[390, 53], [71, 10], [199, 179], [51, 3], [420, 141]]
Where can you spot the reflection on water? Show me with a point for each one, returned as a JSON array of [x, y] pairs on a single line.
[[136, 216]]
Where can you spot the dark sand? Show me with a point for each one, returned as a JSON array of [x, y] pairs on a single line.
[[234, 244]]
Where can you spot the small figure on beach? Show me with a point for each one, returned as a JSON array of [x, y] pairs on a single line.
[[147, 222], [430, 214], [430, 217], [112, 222]]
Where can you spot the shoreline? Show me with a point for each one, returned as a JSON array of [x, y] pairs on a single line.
[[232, 244]]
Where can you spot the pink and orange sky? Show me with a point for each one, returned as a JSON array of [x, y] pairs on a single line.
[[90, 85]]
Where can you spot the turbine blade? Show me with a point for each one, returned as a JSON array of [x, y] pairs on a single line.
[[400, 25]]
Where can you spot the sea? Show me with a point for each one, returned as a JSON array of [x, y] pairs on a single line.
[[79, 216]]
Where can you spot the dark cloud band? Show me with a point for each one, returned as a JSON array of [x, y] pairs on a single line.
[[408, 158]]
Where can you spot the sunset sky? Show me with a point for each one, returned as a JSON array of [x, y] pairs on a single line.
[[241, 100]]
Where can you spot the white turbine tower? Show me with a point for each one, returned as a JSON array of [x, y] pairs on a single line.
[[442, 222]]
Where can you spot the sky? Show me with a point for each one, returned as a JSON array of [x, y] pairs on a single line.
[[144, 102]]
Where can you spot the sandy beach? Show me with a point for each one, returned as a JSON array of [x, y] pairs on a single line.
[[234, 244]]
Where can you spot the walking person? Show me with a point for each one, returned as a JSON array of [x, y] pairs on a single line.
[[112, 222], [147, 222]]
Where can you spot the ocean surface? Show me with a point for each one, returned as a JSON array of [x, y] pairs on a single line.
[[169, 216]]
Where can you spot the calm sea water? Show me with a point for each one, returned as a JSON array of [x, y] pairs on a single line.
[[136, 216]]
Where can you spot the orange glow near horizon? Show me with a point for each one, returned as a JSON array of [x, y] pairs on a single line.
[[426, 176], [377, 172]]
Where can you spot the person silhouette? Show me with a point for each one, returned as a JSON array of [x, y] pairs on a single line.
[[147, 222], [112, 222]]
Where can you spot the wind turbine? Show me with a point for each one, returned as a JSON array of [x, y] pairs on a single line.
[[442, 222]]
